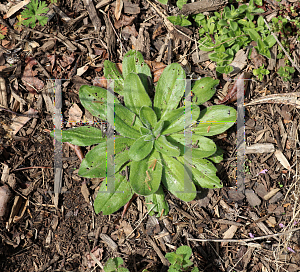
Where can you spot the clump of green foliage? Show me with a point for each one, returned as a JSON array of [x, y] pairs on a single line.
[[260, 72], [152, 142], [235, 28], [180, 262], [33, 12]]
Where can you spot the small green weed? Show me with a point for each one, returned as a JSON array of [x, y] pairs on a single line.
[[286, 72], [33, 12], [180, 262], [260, 72]]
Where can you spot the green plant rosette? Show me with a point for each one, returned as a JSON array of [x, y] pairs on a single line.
[[150, 144]]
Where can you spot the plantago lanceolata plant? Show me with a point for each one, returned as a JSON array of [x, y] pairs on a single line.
[[151, 143]]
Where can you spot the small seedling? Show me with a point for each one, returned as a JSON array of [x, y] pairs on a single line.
[[33, 13], [260, 72], [180, 260], [113, 265], [286, 72]]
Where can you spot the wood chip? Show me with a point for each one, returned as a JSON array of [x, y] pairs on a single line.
[[228, 234], [109, 242], [271, 193], [282, 159], [89, 5], [260, 148]]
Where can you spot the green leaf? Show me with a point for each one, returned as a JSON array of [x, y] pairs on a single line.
[[217, 56], [94, 163], [165, 147], [224, 69], [180, 3], [145, 131], [144, 180], [126, 122], [112, 72], [82, 136], [120, 160], [32, 13], [259, 2], [260, 21], [185, 251], [135, 95], [140, 149], [110, 202], [94, 99], [215, 120], [233, 25], [204, 89], [122, 143], [169, 89], [158, 128], [203, 172], [175, 181], [253, 35], [133, 62], [217, 157], [177, 124], [148, 117], [179, 20], [164, 2], [172, 257], [158, 200], [202, 147], [270, 41]]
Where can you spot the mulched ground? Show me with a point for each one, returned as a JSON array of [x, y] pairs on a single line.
[[37, 236]]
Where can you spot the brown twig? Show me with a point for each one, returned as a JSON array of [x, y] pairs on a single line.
[[32, 167], [245, 240]]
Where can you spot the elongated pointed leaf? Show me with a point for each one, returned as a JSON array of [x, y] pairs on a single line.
[[148, 117], [144, 178], [158, 128], [202, 147], [133, 62], [169, 89], [108, 202], [122, 143], [140, 149], [94, 163], [120, 160], [126, 122], [215, 120], [178, 124], [175, 181], [112, 72], [94, 99], [135, 95], [203, 172], [82, 136], [204, 89], [158, 200], [145, 131], [165, 147]]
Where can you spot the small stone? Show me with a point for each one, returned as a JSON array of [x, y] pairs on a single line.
[[252, 198], [276, 198]]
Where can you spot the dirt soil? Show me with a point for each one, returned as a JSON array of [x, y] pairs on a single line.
[[38, 235]]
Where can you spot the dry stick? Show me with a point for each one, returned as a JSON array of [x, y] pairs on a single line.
[[245, 240], [113, 29], [290, 59]]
